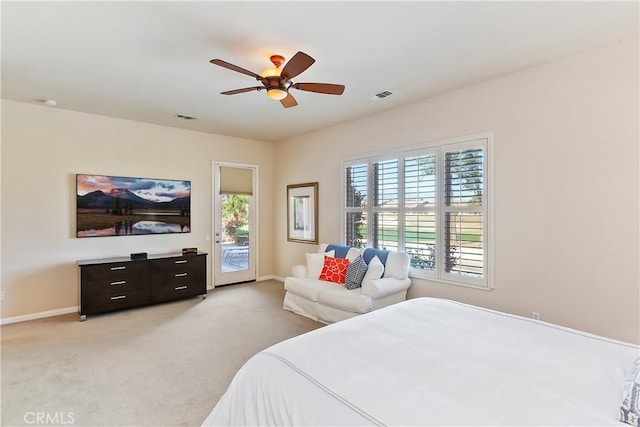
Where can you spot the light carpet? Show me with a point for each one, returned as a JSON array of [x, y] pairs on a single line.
[[160, 365]]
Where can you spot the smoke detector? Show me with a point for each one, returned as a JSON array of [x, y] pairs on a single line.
[[186, 117]]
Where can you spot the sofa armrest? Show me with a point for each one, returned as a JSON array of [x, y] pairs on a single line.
[[386, 286], [299, 271]]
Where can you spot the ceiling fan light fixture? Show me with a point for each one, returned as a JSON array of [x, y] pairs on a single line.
[[271, 72], [277, 80], [276, 93]]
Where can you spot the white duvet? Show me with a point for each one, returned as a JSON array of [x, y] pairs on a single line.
[[431, 362]]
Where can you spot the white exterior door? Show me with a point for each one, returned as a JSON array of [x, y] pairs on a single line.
[[234, 223]]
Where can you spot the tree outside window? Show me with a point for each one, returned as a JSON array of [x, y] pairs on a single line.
[[235, 217]]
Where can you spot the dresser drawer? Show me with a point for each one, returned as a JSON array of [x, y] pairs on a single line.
[[114, 272], [178, 264], [101, 287], [112, 299], [166, 286]]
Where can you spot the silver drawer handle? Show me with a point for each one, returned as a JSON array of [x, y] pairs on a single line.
[[119, 268], [182, 261], [181, 274], [118, 297], [119, 282], [179, 288]]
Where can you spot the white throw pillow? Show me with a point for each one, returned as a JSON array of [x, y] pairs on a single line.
[[315, 262], [353, 254], [374, 271]]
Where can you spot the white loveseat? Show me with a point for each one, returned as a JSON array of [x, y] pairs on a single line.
[[329, 302]]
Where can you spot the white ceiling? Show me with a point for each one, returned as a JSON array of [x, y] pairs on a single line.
[[148, 61]]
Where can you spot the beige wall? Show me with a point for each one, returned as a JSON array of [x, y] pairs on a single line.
[[566, 185], [42, 150], [566, 188]]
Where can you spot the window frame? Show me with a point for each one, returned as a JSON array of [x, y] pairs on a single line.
[[437, 148], [431, 150]]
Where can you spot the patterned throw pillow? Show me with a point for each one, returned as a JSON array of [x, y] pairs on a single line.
[[630, 408], [355, 273], [334, 269]]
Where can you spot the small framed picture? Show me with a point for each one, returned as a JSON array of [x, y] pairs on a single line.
[[302, 213]]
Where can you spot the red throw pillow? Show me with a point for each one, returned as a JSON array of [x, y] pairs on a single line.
[[334, 269]]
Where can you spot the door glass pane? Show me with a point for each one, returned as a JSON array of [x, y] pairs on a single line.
[[235, 232]]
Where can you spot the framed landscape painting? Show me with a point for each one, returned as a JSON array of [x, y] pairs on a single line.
[[302, 213], [124, 206]]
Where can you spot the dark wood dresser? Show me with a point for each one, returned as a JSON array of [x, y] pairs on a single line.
[[109, 284]]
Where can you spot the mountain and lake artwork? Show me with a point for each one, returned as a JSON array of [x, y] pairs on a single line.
[[122, 206]]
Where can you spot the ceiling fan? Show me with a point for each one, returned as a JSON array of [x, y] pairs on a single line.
[[277, 81]]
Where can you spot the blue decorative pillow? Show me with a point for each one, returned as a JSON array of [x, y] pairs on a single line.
[[341, 250], [630, 408], [355, 273], [369, 253]]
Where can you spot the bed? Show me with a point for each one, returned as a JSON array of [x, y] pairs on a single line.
[[429, 361]]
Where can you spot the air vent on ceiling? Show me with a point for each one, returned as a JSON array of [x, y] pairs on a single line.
[[380, 95], [187, 117]]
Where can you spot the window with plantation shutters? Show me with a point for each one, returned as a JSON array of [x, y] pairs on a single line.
[[355, 204], [430, 202], [420, 228], [384, 210], [463, 212]]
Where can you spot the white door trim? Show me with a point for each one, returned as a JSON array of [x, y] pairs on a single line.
[[216, 226]]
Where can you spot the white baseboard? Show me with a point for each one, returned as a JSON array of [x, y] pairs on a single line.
[[259, 279], [67, 310], [269, 277], [40, 315]]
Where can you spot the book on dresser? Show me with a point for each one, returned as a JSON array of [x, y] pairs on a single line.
[[109, 284]]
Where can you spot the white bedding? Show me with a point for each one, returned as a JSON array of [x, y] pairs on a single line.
[[431, 362]]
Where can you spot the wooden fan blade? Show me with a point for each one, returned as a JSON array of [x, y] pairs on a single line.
[[289, 101], [296, 65], [232, 67], [328, 88], [246, 89]]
